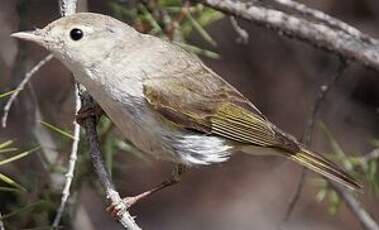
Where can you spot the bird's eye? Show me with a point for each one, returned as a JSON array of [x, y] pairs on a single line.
[[76, 34]]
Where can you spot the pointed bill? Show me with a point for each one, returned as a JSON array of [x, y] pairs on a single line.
[[33, 36]]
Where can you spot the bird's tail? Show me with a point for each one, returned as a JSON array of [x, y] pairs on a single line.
[[325, 167]]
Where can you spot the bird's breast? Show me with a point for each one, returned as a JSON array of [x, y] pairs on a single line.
[[120, 94]]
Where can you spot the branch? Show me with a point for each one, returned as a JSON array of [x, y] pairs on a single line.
[[324, 90], [363, 216], [67, 7], [334, 36], [374, 154], [243, 35], [21, 86], [1, 222], [307, 136], [71, 165], [322, 17], [126, 219]]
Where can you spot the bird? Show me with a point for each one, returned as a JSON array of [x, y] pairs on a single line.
[[165, 100]]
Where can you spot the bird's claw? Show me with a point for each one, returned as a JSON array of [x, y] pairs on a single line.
[[84, 113], [117, 209]]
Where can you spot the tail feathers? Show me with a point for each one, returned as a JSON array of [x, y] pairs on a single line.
[[325, 167]]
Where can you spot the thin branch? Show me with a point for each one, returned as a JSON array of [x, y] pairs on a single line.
[[374, 154], [21, 86], [307, 136], [358, 47], [71, 164], [172, 26], [67, 7], [322, 17], [324, 89], [296, 196], [1, 222], [243, 35], [363, 216], [125, 218]]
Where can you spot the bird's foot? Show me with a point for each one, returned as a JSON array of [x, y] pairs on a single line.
[[84, 113], [115, 209]]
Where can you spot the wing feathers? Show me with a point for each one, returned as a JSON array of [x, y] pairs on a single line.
[[244, 125], [202, 101], [325, 167]]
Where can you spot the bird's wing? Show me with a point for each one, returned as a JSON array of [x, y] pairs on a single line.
[[197, 98], [194, 97]]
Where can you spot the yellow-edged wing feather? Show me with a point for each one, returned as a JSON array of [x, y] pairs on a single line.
[[197, 98]]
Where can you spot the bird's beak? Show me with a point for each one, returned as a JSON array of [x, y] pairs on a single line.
[[36, 36]]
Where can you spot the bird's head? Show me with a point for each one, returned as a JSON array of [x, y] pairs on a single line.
[[80, 39]]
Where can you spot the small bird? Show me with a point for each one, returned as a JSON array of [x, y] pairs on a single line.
[[164, 99]]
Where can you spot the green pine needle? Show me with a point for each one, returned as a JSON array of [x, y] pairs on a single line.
[[199, 28], [6, 144], [11, 182], [199, 51], [58, 130], [7, 94], [18, 156], [24, 209]]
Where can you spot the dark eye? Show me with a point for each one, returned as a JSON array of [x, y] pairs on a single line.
[[76, 34]]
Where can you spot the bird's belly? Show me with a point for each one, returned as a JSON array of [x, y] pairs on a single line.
[[147, 131], [137, 127]]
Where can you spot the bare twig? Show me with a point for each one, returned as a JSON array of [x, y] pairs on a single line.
[[21, 86], [71, 165], [67, 7], [374, 154], [172, 26], [362, 215], [307, 136], [324, 89], [358, 47], [322, 17], [125, 218], [296, 196], [243, 35], [1, 223]]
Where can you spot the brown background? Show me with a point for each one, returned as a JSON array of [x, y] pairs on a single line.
[[281, 76]]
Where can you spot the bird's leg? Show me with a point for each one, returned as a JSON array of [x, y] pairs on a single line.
[[83, 113], [130, 201]]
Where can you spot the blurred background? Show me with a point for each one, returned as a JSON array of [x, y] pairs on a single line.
[[282, 76]]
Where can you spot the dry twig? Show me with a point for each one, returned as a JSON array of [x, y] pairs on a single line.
[[322, 17], [71, 165], [307, 136], [243, 35], [362, 215], [337, 38], [374, 154], [21, 86], [67, 7], [113, 196], [1, 223]]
